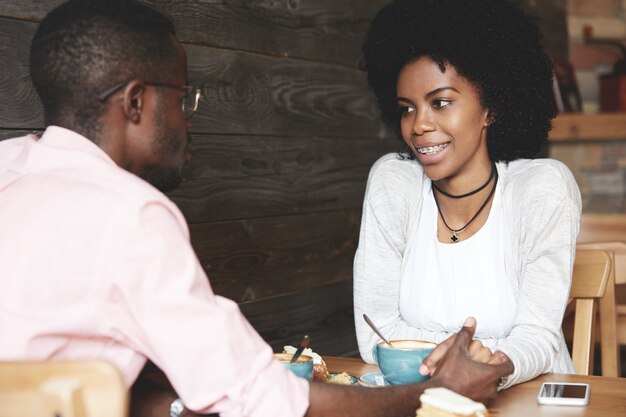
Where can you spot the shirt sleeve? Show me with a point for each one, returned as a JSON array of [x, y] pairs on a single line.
[[161, 304], [378, 260], [550, 227]]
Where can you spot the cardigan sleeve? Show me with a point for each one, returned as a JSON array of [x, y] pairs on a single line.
[[549, 221], [378, 262]]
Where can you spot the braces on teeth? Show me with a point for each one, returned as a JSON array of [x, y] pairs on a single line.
[[432, 149]]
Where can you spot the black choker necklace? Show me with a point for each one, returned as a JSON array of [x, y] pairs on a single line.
[[454, 237], [493, 172]]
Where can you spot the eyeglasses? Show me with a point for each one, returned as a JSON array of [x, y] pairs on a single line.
[[189, 102]]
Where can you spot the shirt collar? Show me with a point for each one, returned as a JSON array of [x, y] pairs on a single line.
[[60, 137]]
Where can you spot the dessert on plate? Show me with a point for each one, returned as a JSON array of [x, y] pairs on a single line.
[[320, 371], [442, 402], [342, 379]]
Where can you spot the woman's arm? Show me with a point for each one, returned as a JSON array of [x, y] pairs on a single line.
[[391, 197], [549, 223]]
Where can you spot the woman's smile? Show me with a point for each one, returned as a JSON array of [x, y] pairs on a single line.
[[443, 121], [431, 150]]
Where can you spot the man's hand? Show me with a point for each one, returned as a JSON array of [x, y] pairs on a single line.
[[476, 351], [451, 365]]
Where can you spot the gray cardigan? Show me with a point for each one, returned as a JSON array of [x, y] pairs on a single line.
[[541, 212]]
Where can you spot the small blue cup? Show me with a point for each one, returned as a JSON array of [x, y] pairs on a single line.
[[303, 367], [400, 362]]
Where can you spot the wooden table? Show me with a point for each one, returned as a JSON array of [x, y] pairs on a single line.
[[608, 395]]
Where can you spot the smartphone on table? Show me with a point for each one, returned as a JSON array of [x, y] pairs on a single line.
[[563, 393]]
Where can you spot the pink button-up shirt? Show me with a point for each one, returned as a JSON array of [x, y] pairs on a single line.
[[96, 263]]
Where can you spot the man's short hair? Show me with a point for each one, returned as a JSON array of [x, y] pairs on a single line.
[[84, 47]]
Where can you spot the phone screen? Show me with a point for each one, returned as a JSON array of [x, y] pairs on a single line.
[[563, 391]]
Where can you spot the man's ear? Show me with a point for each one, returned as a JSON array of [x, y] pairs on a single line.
[[133, 100]]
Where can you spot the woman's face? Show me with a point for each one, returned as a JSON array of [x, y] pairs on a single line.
[[443, 122]]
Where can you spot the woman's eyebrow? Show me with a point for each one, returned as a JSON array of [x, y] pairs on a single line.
[[439, 90], [428, 95]]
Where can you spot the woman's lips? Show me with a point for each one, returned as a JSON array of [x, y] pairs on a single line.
[[433, 149], [431, 154]]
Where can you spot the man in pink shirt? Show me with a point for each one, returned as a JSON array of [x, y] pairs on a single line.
[[96, 260]]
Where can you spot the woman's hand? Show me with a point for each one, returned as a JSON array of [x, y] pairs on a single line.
[[479, 353], [451, 366], [476, 352]]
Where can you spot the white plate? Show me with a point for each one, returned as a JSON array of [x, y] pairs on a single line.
[[373, 379]]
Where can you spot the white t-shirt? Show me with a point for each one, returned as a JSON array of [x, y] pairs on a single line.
[[443, 283]]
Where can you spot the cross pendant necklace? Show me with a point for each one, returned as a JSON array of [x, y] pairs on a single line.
[[454, 238]]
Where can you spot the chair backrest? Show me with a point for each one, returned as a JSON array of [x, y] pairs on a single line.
[[90, 388], [589, 281], [611, 313], [618, 249]]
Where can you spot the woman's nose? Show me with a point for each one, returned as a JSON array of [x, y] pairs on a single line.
[[423, 122]]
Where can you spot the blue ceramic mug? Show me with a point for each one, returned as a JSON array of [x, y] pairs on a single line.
[[303, 367], [400, 362]]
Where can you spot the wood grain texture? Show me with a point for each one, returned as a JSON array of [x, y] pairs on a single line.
[[584, 333], [323, 30], [607, 398], [27, 9], [8, 134], [589, 281], [78, 388], [19, 104], [235, 177], [591, 273], [609, 315], [324, 313], [246, 93], [579, 126], [253, 259], [254, 94], [605, 227]]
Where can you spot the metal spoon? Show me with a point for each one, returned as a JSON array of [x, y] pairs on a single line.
[[303, 344], [371, 324]]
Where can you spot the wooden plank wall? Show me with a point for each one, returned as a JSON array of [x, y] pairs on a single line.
[[281, 151]]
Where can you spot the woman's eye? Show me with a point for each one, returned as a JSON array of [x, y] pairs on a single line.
[[441, 102], [405, 110]]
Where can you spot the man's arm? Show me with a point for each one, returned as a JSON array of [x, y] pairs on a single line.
[[455, 371]]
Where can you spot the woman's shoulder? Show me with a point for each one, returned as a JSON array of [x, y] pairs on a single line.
[[394, 177], [396, 166], [542, 166], [524, 178]]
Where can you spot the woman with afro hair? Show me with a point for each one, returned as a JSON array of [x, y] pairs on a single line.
[[464, 222]]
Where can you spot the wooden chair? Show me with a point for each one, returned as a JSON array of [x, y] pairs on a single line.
[[90, 388], [589, 282], [612, 316], [608, 232]]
